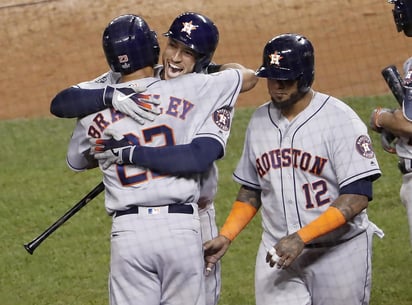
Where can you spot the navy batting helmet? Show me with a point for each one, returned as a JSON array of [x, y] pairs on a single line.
[[289, 57], [402, 14], [198, 33], [129, 44]]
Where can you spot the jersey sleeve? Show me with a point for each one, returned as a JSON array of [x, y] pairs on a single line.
[[245, 172], [218, 124], [74, 102], [78, 149], [353, 146]]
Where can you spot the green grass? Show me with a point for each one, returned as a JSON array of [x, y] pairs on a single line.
[[71, 266]]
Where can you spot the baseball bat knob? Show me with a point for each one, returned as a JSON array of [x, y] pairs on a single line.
[[28, 248]]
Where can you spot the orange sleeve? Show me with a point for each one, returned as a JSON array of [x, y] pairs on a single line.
[[328, 221], [240, 215]]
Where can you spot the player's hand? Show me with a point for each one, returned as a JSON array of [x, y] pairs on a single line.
[[116, 149], [374, 118], [212, 68], [214, 250], [271, 257], [388, 141], [132, 102], [287, 250]]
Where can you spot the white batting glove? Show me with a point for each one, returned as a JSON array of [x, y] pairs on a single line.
[[115, 150], [132, 102]]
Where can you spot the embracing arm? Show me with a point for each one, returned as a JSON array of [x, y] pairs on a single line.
[[249, 77], [76, 102], [193, 158]]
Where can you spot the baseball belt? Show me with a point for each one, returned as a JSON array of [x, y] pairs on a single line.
[[405, 165], [171, 209]]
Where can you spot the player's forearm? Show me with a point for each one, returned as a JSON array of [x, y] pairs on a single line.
[[341, 211], [395, 123], [243, 210], [248, 75], [193, 158], [74, 102]]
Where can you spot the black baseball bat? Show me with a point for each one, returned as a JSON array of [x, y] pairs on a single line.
[[31, 246], [394, 82]]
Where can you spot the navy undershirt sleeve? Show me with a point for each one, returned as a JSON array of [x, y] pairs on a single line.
[[359, 187], [193, 158], [75, 102]]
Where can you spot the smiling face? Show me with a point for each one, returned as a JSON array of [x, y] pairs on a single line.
[[178, 59]]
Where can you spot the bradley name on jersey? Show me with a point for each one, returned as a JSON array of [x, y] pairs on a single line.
[[177, 108]]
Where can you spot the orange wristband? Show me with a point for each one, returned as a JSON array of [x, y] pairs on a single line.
[[328, 221], [240, 215]]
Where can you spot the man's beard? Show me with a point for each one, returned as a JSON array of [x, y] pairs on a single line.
[[294, 98]]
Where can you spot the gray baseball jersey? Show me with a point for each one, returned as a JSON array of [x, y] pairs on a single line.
[[310, 158], [300, 166], [208, 189], [192, 106]]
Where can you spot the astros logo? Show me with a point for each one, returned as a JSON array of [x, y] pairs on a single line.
[[274, 58], [364, 147], [221, 118], [188, 27]]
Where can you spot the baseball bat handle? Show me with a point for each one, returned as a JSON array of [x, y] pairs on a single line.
[[394, 82], [32, 245]]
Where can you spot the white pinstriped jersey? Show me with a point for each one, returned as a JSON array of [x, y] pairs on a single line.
[[300, 165], [193, 105], [77, 161], [209, 180]]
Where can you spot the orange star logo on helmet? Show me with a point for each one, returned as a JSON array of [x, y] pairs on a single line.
[[188, 27], [274, 58]]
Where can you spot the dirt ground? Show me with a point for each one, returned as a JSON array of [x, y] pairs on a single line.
[[51, 44]]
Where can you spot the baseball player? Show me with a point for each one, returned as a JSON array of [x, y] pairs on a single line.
[[135, 57], [189, 34], [398, 122], [402, 14], [201, 41], [308, 164], [127, 187]]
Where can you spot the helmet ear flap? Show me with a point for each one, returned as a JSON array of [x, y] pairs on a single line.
[[156, 48]]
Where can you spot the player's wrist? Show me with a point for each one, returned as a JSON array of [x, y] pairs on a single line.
[[127, 154], [108, 96], [377, 117], [328, 221]]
